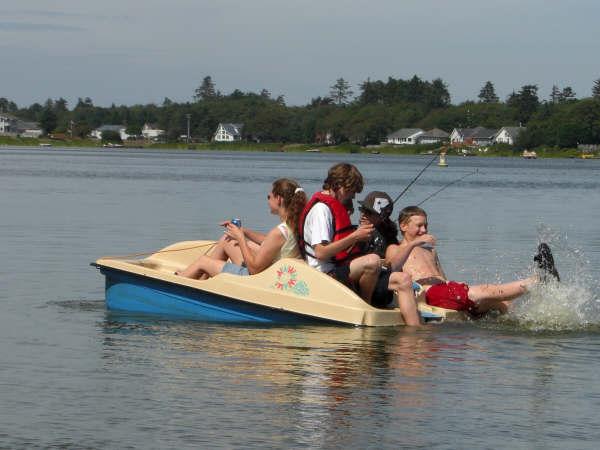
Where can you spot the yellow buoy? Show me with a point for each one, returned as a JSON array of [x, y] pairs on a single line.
[[442, 162]]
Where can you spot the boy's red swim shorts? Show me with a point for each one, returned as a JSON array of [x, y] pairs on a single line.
[[450, 295]]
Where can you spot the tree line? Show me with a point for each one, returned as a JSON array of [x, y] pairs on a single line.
[[378, 108]]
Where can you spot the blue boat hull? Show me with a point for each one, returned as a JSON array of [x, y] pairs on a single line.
[[138, 294]]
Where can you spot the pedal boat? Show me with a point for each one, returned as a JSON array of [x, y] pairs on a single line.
[[288, 292]]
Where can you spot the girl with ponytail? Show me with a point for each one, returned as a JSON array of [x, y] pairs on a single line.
[[252, 252]]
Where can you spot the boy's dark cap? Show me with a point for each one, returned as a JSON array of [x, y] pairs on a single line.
[[379, 203]]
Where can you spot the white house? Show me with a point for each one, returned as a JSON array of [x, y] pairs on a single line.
[[508, 135], [473, 136], [228, 132], [97, 133], [7, 123], [151, 131], [404, 136], [433, 136]]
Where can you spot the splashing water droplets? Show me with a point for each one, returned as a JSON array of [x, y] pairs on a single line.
[[557, 307], [569, 305]]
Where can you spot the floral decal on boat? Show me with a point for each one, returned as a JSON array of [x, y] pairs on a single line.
[[287, 280]]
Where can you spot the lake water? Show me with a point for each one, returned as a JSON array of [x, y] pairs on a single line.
[[73, 375]]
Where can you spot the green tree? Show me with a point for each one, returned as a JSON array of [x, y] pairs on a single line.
[[596, 89], [567, 94], [206, 90], [321, 101], [60, 106], [48, 119], [415, 90], [84, 103], [525, 102], [236, 94], [111, 136], [7, 105], [487, 94], [437, 95], [133, 130], [555, 95], [368, 125], [81, 130], [340, 92], [372, 92]]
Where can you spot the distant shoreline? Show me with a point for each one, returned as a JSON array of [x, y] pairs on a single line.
[[493, 151]]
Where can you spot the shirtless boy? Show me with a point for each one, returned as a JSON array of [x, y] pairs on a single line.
[[417, 256]]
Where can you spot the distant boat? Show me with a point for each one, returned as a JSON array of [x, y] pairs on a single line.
[[529, 154], [313, 150], [45, 144]]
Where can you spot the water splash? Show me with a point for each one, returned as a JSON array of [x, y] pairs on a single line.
[[554, 306], [571, 305]]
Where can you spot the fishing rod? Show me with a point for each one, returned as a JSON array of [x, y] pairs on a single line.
[[448, 185], [417, 177]]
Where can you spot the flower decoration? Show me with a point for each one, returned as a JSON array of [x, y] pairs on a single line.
[[287, 280]]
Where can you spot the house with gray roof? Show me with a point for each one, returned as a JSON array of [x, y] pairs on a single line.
[[508, 135], [473, 136], [228, 132], [404, 136], [14, 126], [29, 129], [434, 136]]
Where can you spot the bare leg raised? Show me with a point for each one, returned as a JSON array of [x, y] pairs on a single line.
[[492, 296]]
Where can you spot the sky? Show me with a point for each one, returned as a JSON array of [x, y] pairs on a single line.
[[137, 52]]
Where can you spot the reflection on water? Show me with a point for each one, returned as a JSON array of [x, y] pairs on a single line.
[[396, 387], [75, 376], [328, 377]]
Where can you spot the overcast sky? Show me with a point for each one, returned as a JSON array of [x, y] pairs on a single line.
[[134, 51]]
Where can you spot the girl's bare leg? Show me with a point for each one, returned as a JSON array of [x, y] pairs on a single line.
[[204, 265]]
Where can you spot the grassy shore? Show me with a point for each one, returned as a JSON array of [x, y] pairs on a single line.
[[492, 151]]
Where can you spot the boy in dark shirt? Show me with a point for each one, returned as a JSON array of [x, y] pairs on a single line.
[[375, 209]]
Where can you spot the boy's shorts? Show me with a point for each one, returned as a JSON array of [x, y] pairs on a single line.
[[450, 295], [382, 296]]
